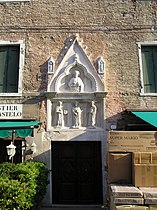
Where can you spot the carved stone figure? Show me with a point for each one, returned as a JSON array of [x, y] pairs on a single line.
[[76, 110], [76, 84], [92, 115], [59, 113]]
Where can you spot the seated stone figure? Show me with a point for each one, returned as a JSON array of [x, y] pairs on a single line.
[[76, 84]]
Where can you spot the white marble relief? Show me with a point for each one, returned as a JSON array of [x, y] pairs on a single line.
[[76, 84], [75, 78], [76, 114], [76, 110], [59, 115], [92, 115]]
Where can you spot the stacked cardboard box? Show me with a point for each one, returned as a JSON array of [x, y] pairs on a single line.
[[153, 207], [119, 167], [131, 207], [126, 194], [150, 195], [145, 158], [125, 197], [144, 166], [132, 159]]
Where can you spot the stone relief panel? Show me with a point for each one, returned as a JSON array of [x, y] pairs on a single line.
[[76, 79], [75, 59], [75, 93], [76, 115]]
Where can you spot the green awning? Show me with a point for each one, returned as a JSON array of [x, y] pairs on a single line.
[[149, 117], [22, 128]]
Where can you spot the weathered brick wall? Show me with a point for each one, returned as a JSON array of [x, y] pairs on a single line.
[[107, 28], [110, 28]]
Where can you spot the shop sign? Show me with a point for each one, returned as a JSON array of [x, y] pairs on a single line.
[[132, 141], [132, 135], [10, 111]]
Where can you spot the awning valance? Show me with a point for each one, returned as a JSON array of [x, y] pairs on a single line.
[[149, 117], [22, 128]]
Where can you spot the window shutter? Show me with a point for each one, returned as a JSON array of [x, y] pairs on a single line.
[[13, 69], [3, 68], [148, 70]]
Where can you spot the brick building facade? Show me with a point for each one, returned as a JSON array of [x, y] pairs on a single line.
[[119, 33]]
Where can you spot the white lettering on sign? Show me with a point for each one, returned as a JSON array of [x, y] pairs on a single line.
[[10, 111]]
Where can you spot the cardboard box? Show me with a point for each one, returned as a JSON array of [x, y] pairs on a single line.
[[119, 168], [145, 175], [150, 201], [136, 201], [131, 207], [132, 141], [154, 157], [144, 157], [149, 192], [114, 206], [123, 207], [139, 208], [125, 191], [152, 207]]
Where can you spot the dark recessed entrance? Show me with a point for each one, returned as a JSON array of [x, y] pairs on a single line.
[[76, 172]]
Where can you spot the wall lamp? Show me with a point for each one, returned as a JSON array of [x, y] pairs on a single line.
[[11, 149], [33, 147]]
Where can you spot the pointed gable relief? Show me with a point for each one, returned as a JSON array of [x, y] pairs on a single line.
[[75, 84], [75, 73]]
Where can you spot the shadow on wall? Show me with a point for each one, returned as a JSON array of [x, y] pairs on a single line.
[[118, 121], [43, 157], [127, 121], [42, 77]]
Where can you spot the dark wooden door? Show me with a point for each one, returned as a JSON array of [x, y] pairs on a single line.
[[76, 172]]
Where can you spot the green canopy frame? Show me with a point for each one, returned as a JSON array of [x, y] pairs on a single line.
[[22, 128]]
